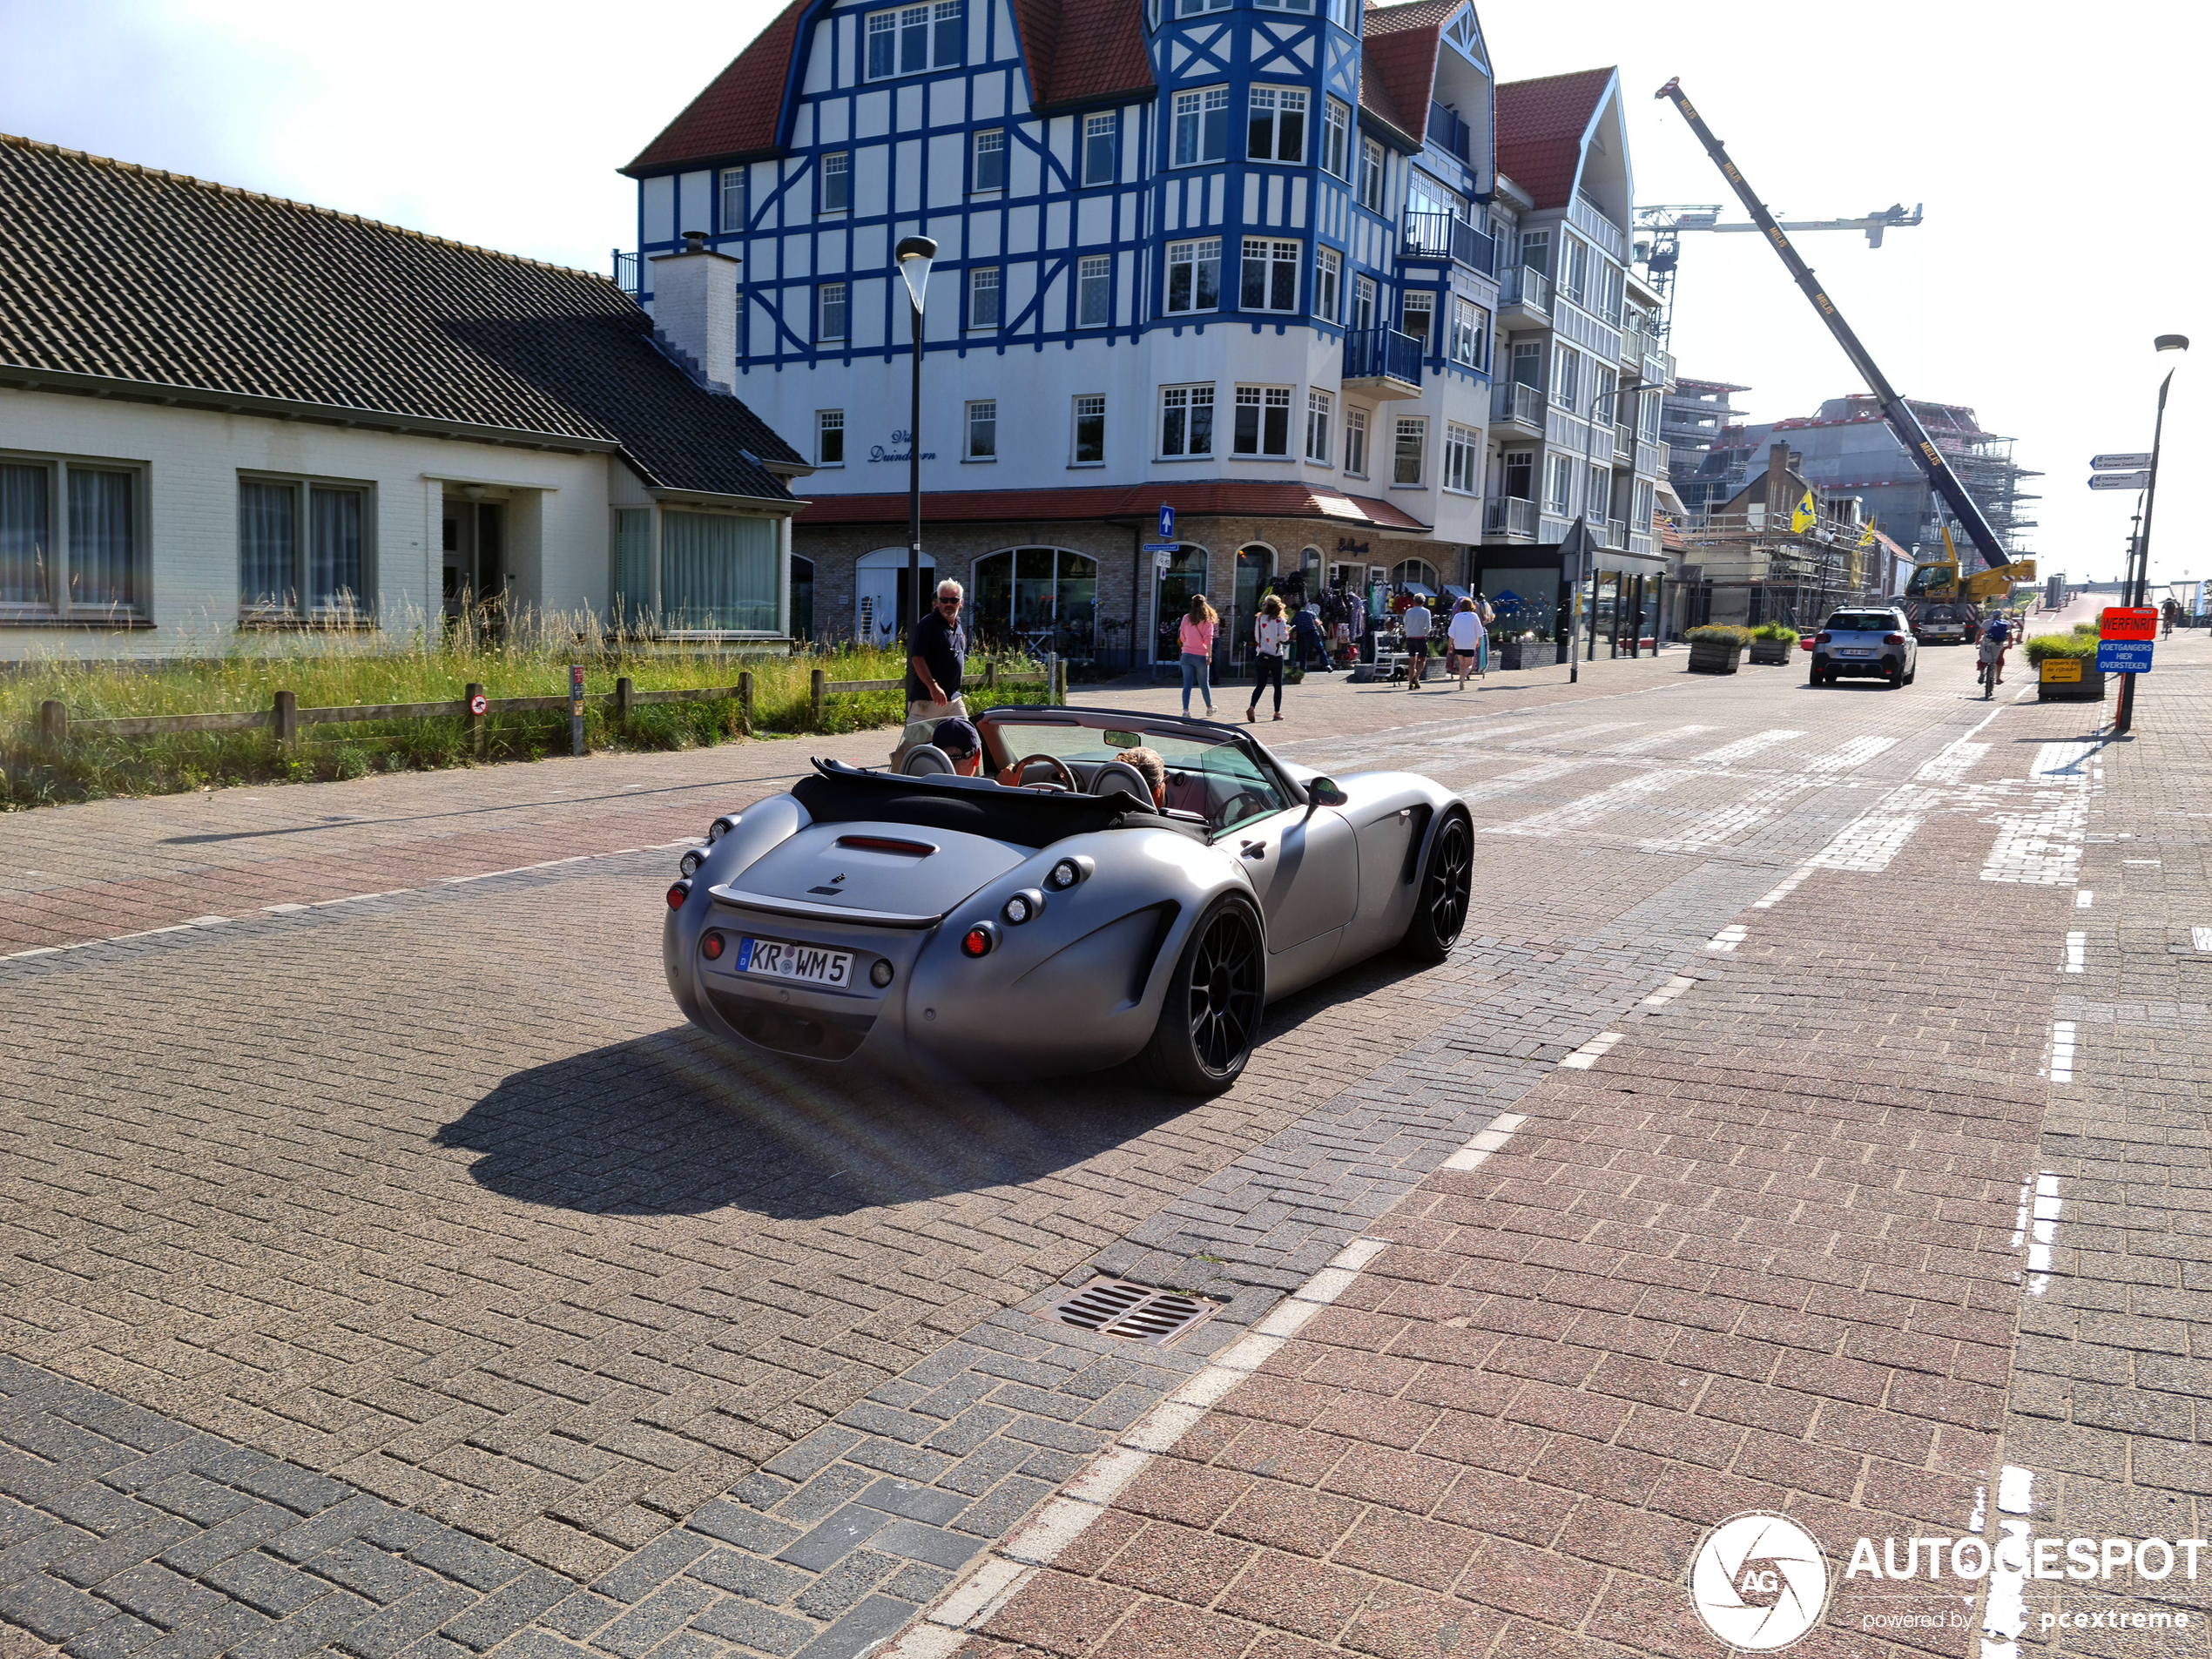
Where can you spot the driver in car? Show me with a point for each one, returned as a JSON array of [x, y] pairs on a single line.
[[1152, 769]]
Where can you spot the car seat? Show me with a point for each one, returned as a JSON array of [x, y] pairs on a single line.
[[1119, 778], [927, 759]]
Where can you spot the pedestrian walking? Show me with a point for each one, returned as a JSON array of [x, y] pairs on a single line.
[[936, 658], [1270, 634], [1467, 638], [1198, 630], [1415, 620], [1310, 642]]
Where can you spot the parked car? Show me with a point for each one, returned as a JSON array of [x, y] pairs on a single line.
[[1065, 923], [1866, 641]]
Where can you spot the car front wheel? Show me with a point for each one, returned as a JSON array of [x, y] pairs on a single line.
[[1446, 880], [1210, 1019]]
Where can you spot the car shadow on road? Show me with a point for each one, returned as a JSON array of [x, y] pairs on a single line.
[[675, 1124]]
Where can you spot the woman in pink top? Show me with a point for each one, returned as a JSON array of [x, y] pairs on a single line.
[[1197, 651]]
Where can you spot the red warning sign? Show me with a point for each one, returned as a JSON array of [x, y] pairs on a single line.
[[2128, 622]]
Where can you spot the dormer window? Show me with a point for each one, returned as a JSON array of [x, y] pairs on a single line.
[[911, 39]]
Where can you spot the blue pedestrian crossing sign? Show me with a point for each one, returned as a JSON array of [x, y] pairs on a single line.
[[1167, 522], [2123, 657]]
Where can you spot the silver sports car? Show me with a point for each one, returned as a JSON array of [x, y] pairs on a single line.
[[1068, 922]]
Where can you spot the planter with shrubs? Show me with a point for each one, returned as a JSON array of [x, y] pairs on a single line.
[[1716, 648], [2065, 666], [1771, 644]]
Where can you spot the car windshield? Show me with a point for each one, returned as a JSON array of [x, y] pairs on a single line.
[[1214, 778], [1861, 622]]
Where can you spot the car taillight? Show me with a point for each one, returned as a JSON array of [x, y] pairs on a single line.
[[978, 939], [1821, 639], [678, 893], [710, 947], [1893, 639]]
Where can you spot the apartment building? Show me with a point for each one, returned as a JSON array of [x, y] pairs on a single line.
[[1232, 257], [1580, 374]]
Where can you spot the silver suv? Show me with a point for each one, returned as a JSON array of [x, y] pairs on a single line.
[[1866, 640]]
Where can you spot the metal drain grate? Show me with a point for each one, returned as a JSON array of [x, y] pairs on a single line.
[[1114, 1307]]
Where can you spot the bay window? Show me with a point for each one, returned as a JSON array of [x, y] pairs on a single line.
[[1186, 420], [1194, 275], [1201, 126], [1270, 275], [1262, 426]]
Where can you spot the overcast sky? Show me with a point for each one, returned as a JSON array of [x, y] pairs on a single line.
[[2053, 150]]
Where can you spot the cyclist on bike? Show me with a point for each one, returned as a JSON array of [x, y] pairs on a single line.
[[1994, 640]]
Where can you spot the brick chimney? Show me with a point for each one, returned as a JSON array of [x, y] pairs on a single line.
[[695, 308], [1778, 499]]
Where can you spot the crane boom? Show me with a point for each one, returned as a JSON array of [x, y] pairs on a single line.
[[1895, 410]]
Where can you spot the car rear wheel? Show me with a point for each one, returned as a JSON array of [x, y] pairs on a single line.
[[1446, 880], [1897, 676], [1209, 1019]]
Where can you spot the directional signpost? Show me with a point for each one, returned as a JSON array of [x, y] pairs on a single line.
[[1163, 548], [2120, 480], [2133, 461], [2124, 632]]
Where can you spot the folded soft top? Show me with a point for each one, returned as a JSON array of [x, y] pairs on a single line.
[[837, 793]]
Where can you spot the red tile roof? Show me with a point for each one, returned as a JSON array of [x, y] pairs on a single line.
[[1540, 125], [736, 115], [1398, 63], [1224, 498], [1078, 51]]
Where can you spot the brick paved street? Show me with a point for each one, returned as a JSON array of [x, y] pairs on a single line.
[[388, 1269]]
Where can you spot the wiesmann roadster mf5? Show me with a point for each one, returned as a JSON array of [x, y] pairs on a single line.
[[1070, 921]]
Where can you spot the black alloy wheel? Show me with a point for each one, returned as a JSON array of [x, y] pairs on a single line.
[[1446, 884], [1210, 1018]]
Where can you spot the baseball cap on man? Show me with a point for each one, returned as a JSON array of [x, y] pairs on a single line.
[[957, 739]]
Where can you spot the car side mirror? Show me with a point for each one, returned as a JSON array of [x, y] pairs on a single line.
[[1323, 791]]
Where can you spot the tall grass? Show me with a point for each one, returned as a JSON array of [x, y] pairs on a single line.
[[527, 654]]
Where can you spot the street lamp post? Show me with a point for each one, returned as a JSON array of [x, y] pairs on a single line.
[[914, 255], [1634, 383], [2124, 715]]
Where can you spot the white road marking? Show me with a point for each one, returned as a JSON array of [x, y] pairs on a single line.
[[2077, 947], [1000, 1576], [2061, 1070], [1591, 1052], [1637, 746], [1728, 937], [1666, 993], [1744, 748], [1951, 765], [2084, 898], [2201, 938], [1581, 814]]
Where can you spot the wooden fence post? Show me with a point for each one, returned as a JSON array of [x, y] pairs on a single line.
[[821, 698], [287, 720], [53, 722], [991, 675], [475, 729], [1059, 689], [745, 699], [622, 700]]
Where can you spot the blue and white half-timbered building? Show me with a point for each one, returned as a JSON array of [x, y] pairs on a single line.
[[1231, 256]]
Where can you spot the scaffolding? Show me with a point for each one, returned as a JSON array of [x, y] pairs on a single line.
[[1695, 417]]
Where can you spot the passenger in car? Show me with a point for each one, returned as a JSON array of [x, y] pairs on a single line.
[[1152, 769]]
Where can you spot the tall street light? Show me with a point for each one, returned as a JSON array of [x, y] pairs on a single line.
[[2124, 716], [914, 254], [1634, 383]]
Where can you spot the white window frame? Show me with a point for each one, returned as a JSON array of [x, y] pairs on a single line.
[[984, 283], [732, 184], [838, 165], [1328, 284], [1278, 262], [1642, 504], [989, 141], [844, 301], [829, 429], [1423, 302], [1320, 406], [1373, 164], [1271, 423], [1086, 406], [983, 413], [1416, 427], [1336, 137], [1195, 255], [1567, 376], [1345, 14], [1200, 113], [1277, 101], [1188, 399], [1467, 349], [1355, 441], [1559, 483], [297, 607], [930, 18], [1100, 149], [1597, 501], [1462, 460], [1365, 301], [1199, 8], [55, 600], [1094, 290]]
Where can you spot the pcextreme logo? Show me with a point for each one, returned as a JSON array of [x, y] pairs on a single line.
[[1759, 1581]]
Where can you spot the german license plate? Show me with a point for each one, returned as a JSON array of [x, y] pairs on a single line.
[[810, 963]]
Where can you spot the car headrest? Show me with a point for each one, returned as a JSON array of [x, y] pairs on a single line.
[[1119, 778], [925, 760]]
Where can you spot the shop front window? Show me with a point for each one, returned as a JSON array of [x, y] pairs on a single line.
[[1039, 599]]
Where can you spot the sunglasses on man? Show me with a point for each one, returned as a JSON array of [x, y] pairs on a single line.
[[948, 599]]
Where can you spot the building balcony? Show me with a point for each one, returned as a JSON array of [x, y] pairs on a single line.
[[1612, 533], [1658, 367], [1509, 516], [1519, 405], [1382, 362], [1449, 133], [1446, 236], [1634, 343], [1525, 299], [626, 272], [1641, 542], [1651, 457]]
